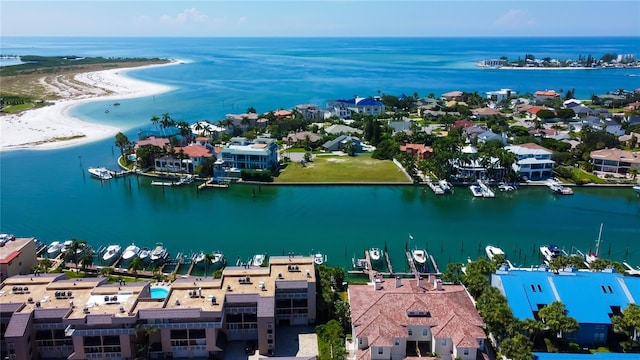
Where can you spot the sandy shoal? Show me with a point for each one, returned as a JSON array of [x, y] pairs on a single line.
[[52, 127]]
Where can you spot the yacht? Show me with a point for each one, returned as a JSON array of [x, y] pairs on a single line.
[[557, 188], [66, 245], [593, 255], [111, 253], [130, 252], [258, 260], [486, 191], [54, 248], [493, 251], [375, 254], [636, 188], [158, 253], [419, 256], [144, 254], [550, 252], [318, 259], [218, 259], [101, 173]]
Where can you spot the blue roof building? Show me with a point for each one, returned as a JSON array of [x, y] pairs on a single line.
[[589, 297], [360, 105]]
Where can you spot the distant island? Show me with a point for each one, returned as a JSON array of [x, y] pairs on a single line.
[[609, 60]]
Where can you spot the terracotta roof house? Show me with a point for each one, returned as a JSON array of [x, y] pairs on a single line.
[[614, 160], [420, 151], [160, 142], [393, 317], [633, 106], [480, 112], [196, 154], [462, 124], [282, 113], [300, 136], [547, 94], [452, 95]]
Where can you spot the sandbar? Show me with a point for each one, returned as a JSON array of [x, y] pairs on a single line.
[[52, 127]]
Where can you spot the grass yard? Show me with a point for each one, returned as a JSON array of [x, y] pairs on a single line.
[[342, 169]]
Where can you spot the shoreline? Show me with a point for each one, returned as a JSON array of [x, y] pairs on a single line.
[[52, 127]]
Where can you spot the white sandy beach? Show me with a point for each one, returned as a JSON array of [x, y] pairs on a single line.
[[43, 128]]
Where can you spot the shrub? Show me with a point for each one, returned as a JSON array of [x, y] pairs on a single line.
[[256, 175]]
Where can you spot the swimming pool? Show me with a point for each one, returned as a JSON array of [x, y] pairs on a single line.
[[159, 292]]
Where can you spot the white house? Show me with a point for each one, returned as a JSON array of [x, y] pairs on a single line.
[[534, 161], [360, 105], [500, 95]]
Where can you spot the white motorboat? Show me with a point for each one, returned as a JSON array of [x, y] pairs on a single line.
[[158, 253], [375, 254], [557, 188], [130, 252], [258, 260], [636, 188], [476, 190], [199, 258], [445, 185], [218, 259], [506, 187], [486, 191], [493, 251], [419, 256], [144, 254], [550, 252], [54, 248], [318, 259], [111, 253], [101, 173]]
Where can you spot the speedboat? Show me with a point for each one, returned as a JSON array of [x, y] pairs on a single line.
[[557, 188], [419, 256], [199, 258], [159, 253], [476, 190], [486, 191], [218, 259], [636, 188], [493, 251], [258, 260], [111, 253], [444, 185], [318, 259], [144, 254], [54, 248], [375, 254], [130, 252], [550, 252], [506, 187], [101, 173]]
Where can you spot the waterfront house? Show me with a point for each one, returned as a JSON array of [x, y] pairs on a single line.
[[340, 142], [193, 155], [533, 161], [589, 297], [359, 105], [470, 166], [152, 140], [419, 151], [500, 95], [312, 112], [614, 160], [452, 95], [546, 94], [49, 316], [394, 319], [241, 153]]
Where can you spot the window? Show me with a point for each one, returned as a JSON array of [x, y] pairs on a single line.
[[465, 352], [380, 351], [410, 332], [443, 342], [425, 332], [397, 342]]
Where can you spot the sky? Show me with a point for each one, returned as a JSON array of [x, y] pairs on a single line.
[[303, 18]]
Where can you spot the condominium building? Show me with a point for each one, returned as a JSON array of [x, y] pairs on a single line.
[[17, 256], [48, 316]]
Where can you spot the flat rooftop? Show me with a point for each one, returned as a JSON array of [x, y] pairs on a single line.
[[12, 246]]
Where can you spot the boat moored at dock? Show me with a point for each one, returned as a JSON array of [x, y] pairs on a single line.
[[258, 259], [636, 188], [319, 259], [419, 256], [111, 253], [144, 254], [101, 173], [557, 188], [130, 252], [550, 252], [54, 249], [159, 253], [375, 254], [492, 251]]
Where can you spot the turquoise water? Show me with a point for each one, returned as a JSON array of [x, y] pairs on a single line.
[[159, 292], [48, 194]]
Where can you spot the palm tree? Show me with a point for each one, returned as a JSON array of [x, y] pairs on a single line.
[[208, 257], [121, 141], [245, 122], [86, 260], [76, 247], [227, 123], [155, 120], [135, 265], [45, 264], [166, 120], [143, 340]]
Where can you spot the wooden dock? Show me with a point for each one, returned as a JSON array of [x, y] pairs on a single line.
[[435, 188], [412, 265], [386, 257], [213, 184]]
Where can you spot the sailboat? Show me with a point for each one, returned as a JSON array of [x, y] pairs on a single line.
[[593, 255]]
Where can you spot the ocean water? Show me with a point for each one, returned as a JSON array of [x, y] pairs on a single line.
[[48, 194]]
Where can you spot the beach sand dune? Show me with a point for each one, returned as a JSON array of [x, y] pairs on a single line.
[[52, 126]]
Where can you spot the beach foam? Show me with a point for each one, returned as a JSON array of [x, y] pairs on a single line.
[[53, 127]]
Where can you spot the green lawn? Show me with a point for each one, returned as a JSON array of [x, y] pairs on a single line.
[[342, 169], [17, 108]]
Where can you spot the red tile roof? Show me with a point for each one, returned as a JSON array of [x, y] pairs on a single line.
[[381, 315], [547, 93], [462, 124], [10, 258], [195, 151], [535, 109], [161, 142]]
